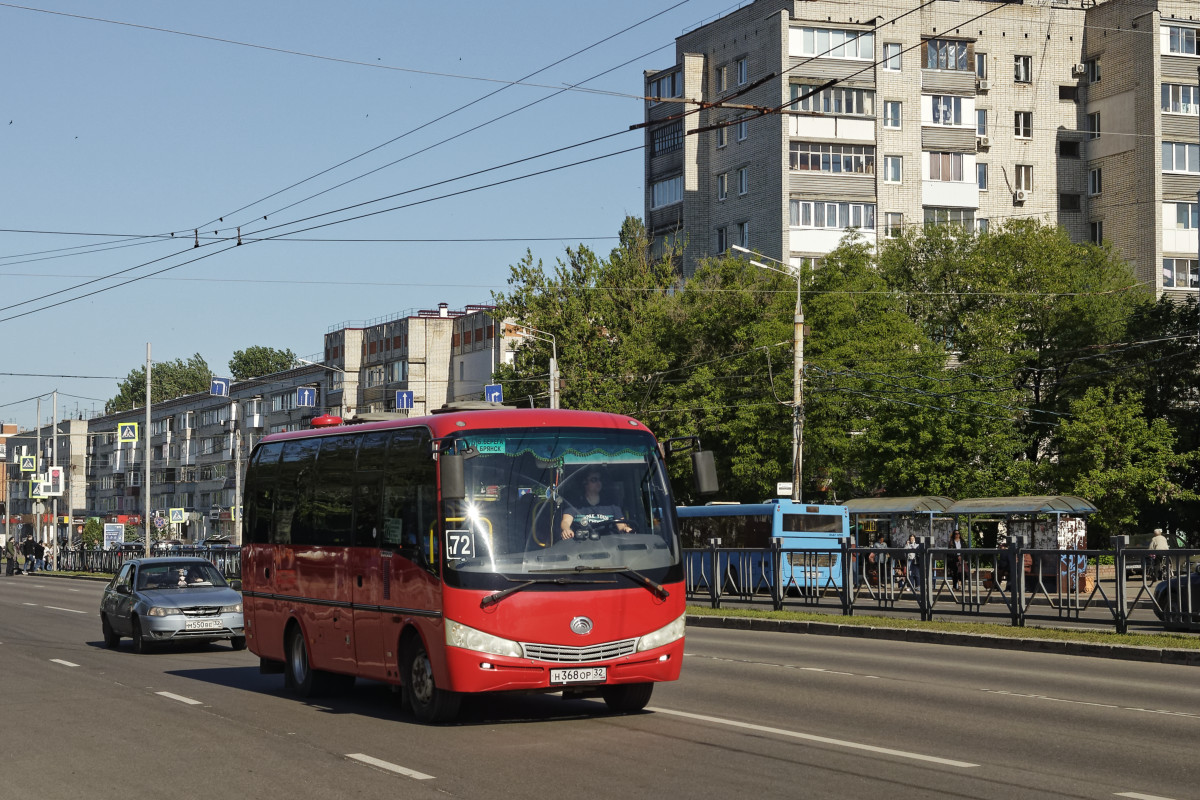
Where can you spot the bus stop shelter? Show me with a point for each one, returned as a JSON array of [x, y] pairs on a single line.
[[1045, 519], [897, 517]]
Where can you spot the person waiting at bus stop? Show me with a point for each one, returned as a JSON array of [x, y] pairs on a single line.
[[593, 508]]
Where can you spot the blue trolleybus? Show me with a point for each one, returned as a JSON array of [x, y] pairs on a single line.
[[809, 537]]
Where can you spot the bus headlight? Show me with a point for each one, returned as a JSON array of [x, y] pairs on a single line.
[[664, 635], [459, 635]]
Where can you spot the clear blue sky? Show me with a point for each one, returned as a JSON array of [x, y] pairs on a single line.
[[114, 133]]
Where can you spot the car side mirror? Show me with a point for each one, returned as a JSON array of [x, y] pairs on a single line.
[[122, 589], [236, 585]]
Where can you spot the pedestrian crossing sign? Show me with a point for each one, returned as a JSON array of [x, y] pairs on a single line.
[[127, 432], [28, 463], [176, 515]]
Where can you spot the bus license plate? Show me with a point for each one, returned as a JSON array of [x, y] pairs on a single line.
[[201, 624], [581, 675]]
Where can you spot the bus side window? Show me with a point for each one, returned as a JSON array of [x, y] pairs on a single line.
[[293, 505], [368, 489], [409, 495], [260, 493]]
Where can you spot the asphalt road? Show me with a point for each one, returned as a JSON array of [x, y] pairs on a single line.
[[756, 715]]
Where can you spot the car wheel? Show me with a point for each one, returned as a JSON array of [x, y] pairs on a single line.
[[429, 703], [111, 639], [625, 698], [140, 644], [238, 642]]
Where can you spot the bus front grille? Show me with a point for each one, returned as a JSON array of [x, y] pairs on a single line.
[[566, 654]]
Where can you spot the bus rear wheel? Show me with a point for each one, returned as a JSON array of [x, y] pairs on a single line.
[[429, 703], [625, 698]]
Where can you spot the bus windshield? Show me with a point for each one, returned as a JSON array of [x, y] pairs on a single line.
[[567, 500]]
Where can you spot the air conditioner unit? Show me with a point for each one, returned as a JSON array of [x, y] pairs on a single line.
[[1079, 69], [983, 85], [982, 142], [1020, 196]]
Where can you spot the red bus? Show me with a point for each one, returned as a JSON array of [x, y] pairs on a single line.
[[456, 553]]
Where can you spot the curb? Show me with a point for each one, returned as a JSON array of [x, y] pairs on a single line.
[[1156, 655]]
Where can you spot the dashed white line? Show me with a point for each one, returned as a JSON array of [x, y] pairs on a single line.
[[1140, 796], [180, 698], [375, 762], [72, 610], [64, 663], [887, 751], [1093, 704]]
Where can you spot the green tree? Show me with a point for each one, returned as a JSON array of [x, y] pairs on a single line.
[[168, 380], [256, 361], [93, 532]]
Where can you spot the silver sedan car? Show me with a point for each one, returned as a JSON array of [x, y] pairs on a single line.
[[173, 599]]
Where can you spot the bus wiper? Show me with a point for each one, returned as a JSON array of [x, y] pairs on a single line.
[[496, 597], [658, 589]]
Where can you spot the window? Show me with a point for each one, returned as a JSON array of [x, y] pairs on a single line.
[[663, 86], [663, 193], [743, 234], [1023, 124], [1187, 216], [1093, 125], [1070, 202], [893, 169], [1023, 69], [1095, 181], [1180, 157], [947, 110], [1180, 39], [722, 78], [743, 71], [828, 43], [838, 158], [893, 225], [981, 126], [722, 240], [836, 100], [1181, 273], [1092, 68], [945, 54], [397, 371], [945, 166], [891, 113], [1096, 232], [722, 186], [1180, 99], [722, 135], [1068, 93], [743, 180], [1068, 149], [666, 139], [981, 224], [817, 214], [950, 216], [981, 71], [743, 130], [981, 175], [891, 56], [1024, 176]]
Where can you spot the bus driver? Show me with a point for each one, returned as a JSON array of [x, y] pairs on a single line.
[[592, 511]]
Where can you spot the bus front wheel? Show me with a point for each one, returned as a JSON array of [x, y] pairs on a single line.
[[625, 698], [421, 693]]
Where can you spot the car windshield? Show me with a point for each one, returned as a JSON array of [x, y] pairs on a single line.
[[560, 499], [179, 575]]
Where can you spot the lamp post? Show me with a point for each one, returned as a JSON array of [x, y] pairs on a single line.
[[797, 368], [547, 337]]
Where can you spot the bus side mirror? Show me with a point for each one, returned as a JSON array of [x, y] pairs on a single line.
[[453, 480], [704, 472]]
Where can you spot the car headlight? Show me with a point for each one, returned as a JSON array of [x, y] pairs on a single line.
[[459, 635], [233, 609], [664, 635], [159, 611]]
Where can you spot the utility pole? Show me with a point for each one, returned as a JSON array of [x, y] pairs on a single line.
[[54, 463], [798, 393], [146, 470]]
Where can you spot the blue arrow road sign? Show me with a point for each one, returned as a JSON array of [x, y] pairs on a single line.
[[494, 393], [306, 397], [404, 399], [219, 387]]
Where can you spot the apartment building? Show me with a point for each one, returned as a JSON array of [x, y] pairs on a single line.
[[785, 124], [62, 445], [480, 343]]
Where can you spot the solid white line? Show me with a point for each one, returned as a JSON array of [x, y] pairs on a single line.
[[1140, 796], [180, 698], [64, 663], [887, 751], [72, 610], [375, 762], [29, 604]]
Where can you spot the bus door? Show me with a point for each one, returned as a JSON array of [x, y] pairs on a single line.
[[370, 565]]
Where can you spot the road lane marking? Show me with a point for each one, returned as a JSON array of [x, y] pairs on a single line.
[[781, 666], [887, 751], [72, 610], [1093, 704], [29, 604], [64, 663], [1140, 796], [180, 698], [375, 762]]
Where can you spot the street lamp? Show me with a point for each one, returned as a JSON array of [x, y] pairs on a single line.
[[547, 337], [797, 367]]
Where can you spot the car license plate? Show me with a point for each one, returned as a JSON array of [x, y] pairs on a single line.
[[580, 675], [201, 624]]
